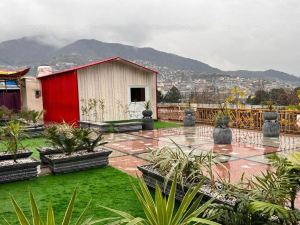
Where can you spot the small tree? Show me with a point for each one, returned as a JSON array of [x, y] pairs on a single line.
[[159, 96], [173, 95]]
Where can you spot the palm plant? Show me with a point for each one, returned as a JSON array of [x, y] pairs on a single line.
[[90, 139], [13, 133], [189, 167], [161, 210], [50, 220], [64, 137], [268, 198]]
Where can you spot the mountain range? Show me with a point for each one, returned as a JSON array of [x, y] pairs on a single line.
[[30, 51]]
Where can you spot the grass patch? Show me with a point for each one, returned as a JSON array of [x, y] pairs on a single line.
[[106, 186], [31, 144], [165, 124]]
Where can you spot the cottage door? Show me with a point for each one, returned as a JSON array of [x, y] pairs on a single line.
[[138, 95]]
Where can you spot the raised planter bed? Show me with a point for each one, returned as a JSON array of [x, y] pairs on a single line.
[[20, 154], [153, 177], [34, 131], [24, 169], [128, 126], [47, 151], [80, 160], [102, 127]]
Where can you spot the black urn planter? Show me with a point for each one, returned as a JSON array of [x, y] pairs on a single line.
[[24, 169], [189, 119], [80, 160], [222, 134], [153, 177], [271, 127], [148, 122]]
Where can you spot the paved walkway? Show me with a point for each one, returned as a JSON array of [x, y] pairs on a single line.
[[246, 155]]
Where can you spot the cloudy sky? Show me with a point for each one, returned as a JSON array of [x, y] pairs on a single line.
[[228, 34]]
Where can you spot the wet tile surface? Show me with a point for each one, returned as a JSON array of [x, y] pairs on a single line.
[[247, 155], [128, 164]]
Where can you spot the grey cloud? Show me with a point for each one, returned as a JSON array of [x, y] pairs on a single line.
[[229, 34]]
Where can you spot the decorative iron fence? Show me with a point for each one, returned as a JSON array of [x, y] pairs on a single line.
[[240, 118]]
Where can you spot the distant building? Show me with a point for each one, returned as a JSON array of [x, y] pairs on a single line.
[[122, 86], [10, 88]]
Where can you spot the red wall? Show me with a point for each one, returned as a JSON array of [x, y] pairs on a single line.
[[60, 98]]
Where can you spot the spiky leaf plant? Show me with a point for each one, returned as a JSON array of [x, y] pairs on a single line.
[[161, 210], [36, 218]]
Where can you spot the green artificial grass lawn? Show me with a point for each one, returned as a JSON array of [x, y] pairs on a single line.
[[165, 124], [106, 186], [29, 143]]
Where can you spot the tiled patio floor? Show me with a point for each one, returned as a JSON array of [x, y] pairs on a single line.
[[246, 155]]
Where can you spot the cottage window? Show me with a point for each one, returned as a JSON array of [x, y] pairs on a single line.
[[137, 94]]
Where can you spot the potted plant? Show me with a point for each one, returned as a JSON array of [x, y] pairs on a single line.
[[5, 115], [190, 169], [32, 118], [189, 119], [147, 120], [271, 127], [15, 162], [222, 134], [78, 149]]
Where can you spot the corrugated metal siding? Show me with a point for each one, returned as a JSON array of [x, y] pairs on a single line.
[[60, 98], [110, 82]]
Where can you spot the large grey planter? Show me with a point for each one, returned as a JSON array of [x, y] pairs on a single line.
[[128, 126], [24, 169], [47, 151], [101, 126], [10, 155], [34, 131], [81, 160], [189, 119], [271, 127], [153, 177]]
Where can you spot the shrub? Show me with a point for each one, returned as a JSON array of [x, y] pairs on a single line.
[[13, 133], [162, 210], [37, 219], [64, 137]]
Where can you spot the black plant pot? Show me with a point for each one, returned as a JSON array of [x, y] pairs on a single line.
[[147, 113], [81, 160], [271, 127], [148, 123], [270, 115], [222, 135], [189, 119]]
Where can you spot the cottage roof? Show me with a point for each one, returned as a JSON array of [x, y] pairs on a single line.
[[119, 59]]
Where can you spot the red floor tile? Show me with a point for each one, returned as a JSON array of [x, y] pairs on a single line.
[[235, 170], [136, 146], [243, 150], [128, 164]]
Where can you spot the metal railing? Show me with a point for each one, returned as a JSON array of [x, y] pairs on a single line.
[[240, 118]]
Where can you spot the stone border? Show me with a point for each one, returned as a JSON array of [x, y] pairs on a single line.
[[153, 177], [82, 160], [19, 171]]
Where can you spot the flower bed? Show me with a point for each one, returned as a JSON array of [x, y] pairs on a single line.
[[80, 160], [153, 177]]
